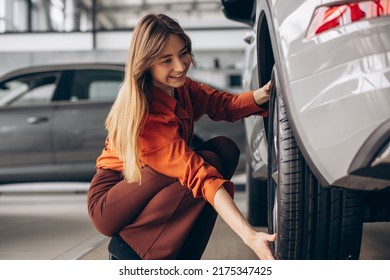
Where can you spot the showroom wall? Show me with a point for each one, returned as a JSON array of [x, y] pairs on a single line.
[[39, 32]]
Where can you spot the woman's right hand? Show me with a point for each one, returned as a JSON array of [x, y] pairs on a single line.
[[259, 243], [261, 95]]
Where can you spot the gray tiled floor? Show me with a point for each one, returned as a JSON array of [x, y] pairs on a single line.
[[45, 226], [52, 223]]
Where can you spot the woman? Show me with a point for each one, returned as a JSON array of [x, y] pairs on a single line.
[[152, 192]]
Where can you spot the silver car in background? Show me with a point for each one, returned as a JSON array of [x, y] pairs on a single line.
[[52, 120], [319, 165]]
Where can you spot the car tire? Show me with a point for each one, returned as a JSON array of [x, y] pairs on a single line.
[[311, 222], [257, 198]]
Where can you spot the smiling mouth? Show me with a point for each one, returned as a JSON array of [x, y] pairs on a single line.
[[177, 76]]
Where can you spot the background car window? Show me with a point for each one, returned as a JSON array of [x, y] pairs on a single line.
[[11, 90], [38, 96], [103, 90], [95, 85], [35, 89]]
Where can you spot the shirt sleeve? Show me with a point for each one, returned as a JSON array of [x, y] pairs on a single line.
[[219, 105], [108, 159], [163, 149]]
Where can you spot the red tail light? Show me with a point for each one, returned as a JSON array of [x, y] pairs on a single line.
[[337, 15]]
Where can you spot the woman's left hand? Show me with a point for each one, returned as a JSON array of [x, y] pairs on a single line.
[[261, 95]]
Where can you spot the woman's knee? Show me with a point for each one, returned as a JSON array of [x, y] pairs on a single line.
[[228, 146], [211, 158], [227, 152], [100, 186], [223, 146], [226, 142]]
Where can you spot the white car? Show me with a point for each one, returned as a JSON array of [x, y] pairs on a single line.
[[319, 165]]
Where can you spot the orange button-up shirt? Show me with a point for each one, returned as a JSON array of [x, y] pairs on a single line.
[[168, 131]]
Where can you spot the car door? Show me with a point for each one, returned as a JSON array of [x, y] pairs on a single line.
[[78, 129], [26, 116]]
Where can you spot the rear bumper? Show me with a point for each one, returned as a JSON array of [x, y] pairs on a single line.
[[370, 169]]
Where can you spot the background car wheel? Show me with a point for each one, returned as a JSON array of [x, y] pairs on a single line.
[[311, 222], [257, 198]]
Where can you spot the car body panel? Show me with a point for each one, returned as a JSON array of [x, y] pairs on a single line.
[[23, 142], [79, 134], [78, 130], [336, 97]]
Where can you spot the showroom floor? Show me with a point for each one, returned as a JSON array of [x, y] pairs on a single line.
[[47, 221]]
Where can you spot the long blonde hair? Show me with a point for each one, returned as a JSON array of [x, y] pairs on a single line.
[[126, 117]]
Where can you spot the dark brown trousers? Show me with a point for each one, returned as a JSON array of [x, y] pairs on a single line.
[[159, 218]]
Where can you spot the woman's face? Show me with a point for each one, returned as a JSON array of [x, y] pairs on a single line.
[[170, 70]]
